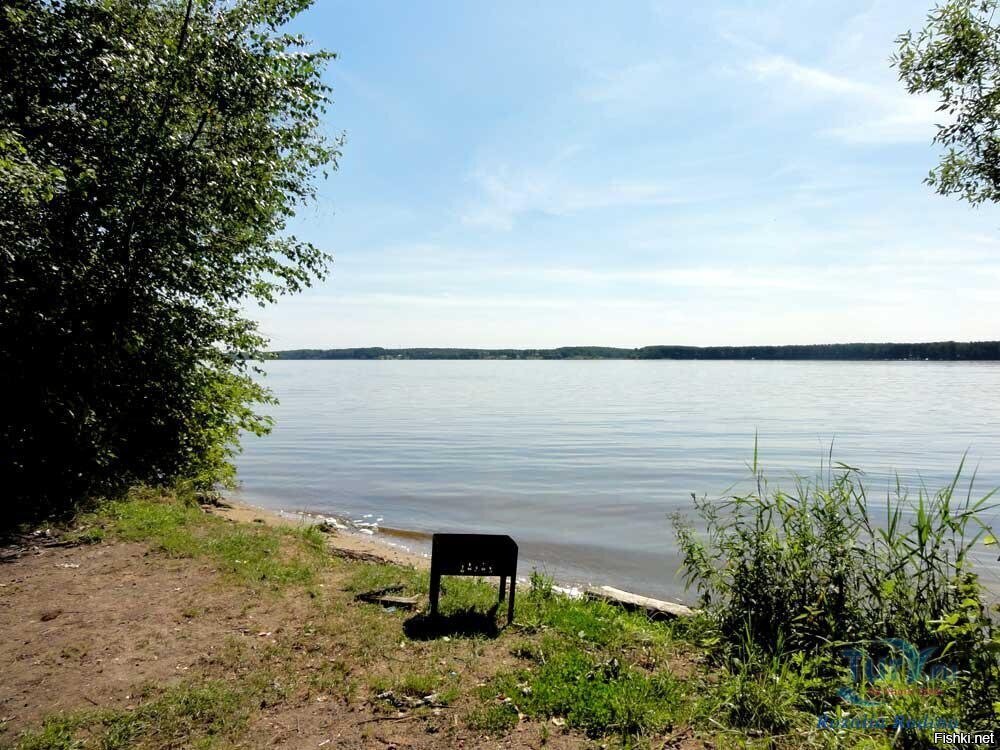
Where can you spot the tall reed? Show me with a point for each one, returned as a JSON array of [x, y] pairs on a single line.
[[824, 567]]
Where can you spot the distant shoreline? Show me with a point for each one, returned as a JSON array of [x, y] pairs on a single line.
[[936, 351]]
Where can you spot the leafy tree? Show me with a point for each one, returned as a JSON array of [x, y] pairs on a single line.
[[151, 153], [957, 57]]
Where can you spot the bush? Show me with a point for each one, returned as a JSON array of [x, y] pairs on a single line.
[[818, 570]]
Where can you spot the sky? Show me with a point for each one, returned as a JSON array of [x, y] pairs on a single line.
[[524, 174]]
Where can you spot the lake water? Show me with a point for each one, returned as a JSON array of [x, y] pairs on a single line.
[[583, 462]]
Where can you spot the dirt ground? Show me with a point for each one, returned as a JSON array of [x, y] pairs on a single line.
[[92, 625]]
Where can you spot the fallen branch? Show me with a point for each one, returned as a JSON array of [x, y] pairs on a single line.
[[653, 607]]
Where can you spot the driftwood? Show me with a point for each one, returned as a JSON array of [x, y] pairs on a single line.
[[653, 607]]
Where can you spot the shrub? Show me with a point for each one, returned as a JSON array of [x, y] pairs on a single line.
[[819, 569]]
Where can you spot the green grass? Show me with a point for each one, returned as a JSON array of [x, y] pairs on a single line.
[[790, 579], [420, 683], [417, 684], [593, 693], [199, 715], [378, 576], [458, 594], [595, 669], [57, 733], [767, 694], [493, 718], [257, 555]]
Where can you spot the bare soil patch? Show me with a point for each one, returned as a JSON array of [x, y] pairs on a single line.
[[100, 625]]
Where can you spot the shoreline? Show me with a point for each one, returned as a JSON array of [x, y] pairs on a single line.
[[370, 539], [254, 633], [341, 536]]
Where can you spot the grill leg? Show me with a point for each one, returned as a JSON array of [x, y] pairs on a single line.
[[503, 588], [510, 604], [435, 592]]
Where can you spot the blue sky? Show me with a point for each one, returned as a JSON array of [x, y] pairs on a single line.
[[545, 174]]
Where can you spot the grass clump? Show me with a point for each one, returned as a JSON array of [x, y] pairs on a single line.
[[767, 693], [595, 622], [591, 622], [177, 527], [825, 571], [417, 684], [497, 717], [593, 668], [369, 576], [56, 733], [595, 694], [202, 715]]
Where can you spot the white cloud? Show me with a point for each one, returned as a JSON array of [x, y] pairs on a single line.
[[911, 120], [903, 268], [872, 278], [864, 112], [707, 278], [812, 80], [505, 196]]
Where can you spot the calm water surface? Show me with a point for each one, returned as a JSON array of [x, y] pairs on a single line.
[[583, 462]]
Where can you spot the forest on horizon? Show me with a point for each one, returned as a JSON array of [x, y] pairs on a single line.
[[943, 351]]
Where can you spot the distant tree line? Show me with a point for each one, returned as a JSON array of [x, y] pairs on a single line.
[[944, 351]]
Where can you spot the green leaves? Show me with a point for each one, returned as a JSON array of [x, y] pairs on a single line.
[[956, 57], [812, 570], [151, 154]]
